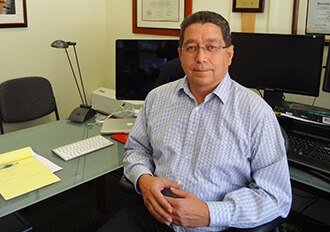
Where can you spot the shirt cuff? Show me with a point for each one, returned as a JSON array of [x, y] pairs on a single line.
[[135, 174], [220, 213]]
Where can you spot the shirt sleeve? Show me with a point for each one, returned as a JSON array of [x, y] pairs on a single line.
[[268, 195], [138, 152]]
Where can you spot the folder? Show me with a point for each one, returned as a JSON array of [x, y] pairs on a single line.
[[121, 137], [21, 173]]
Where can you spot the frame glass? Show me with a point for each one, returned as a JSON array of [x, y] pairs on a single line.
[[13, 13], [318, 15], [159, 17], [256, 6]]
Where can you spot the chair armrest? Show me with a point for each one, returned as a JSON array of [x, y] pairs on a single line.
[[126, 185]]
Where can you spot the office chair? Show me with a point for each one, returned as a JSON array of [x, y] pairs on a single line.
[[128, 187], [171, 71], [24, 99]]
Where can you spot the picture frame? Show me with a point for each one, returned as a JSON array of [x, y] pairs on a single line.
[[317, 17], [13, 13], [253, 6], [151, 17]]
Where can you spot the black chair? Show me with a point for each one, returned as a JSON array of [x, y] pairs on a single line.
[[24, 99], [272, 226], [171, 71]]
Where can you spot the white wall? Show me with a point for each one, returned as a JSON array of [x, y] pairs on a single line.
[[27, 51], [95, 26]]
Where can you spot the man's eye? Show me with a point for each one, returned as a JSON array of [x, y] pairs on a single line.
[[211, 48], [191, 48]]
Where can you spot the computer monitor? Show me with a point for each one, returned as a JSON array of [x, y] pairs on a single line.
[[138, 65], [278, 63], [326, 81]]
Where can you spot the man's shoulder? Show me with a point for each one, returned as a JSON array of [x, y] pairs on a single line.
[[249, 99], [168, 88], [246, 93]]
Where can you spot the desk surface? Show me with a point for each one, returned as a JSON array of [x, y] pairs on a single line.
[[80, 170], [310, 180], [75, 172]]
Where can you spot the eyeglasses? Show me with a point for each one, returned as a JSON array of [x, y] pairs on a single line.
[[211, 49]]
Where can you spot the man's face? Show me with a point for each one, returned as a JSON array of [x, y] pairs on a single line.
[[205, 69]]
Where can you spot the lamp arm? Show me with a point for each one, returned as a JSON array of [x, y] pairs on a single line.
[[74, 76], [80, 76]]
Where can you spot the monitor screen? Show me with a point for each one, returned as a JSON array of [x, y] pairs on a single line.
[[278, 63], [138, 65]]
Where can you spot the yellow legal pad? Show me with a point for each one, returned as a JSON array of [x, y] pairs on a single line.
[[20, 173]]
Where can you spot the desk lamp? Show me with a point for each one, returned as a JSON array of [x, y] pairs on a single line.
[[84, 111]]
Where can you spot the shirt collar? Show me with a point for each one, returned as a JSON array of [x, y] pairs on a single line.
[[221, 91]]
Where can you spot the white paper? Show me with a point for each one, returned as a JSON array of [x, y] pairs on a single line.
[[46, 162]]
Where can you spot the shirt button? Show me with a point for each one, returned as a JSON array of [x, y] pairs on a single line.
[[186, 157], [176, 228]]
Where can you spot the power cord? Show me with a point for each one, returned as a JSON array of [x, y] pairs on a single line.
[[127, 111]]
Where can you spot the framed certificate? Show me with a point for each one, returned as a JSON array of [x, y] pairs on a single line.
[[318, 17], [248, 6], [159, 17]]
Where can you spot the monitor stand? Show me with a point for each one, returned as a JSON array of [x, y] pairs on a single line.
[[273, 98]]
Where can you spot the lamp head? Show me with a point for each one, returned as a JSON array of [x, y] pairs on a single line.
[[71, 43], [59, 44]]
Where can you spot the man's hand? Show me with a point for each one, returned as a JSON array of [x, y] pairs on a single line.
[[154, 200], [188, 210]]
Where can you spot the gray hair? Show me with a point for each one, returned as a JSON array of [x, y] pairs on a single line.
[[206, 17]]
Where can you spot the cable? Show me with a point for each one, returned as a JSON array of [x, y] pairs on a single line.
[[260, 93], [314, 101], [129, 112]]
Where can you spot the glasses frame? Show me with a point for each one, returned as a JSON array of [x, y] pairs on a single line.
[[204, 48]]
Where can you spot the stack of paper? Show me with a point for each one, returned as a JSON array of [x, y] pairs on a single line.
[[21, 173]]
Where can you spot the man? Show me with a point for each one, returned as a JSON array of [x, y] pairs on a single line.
[[205, 153]]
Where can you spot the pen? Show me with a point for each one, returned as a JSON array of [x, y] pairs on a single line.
[[8, 165]]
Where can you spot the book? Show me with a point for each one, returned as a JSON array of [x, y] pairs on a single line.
[[21, 173], [121, 137]]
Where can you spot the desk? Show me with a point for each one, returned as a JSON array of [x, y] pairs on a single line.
[[81, 170], [300, 177], [75, 172], [309, 182]]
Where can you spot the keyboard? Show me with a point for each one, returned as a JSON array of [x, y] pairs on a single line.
[[82, 147], [309, 152]]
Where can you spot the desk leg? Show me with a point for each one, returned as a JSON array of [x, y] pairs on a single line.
[[101, 196]]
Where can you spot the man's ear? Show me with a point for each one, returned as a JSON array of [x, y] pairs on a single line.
[[180, 53], [230, 52]]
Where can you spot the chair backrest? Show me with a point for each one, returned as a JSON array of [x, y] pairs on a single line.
[[24, 99], [171, 71]]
